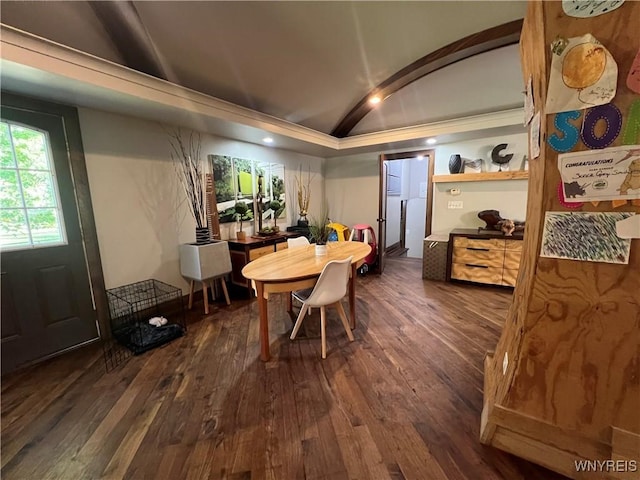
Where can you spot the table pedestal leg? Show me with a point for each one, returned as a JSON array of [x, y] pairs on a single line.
[[264, 323]]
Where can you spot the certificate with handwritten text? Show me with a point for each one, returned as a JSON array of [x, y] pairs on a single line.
[[607, 174]]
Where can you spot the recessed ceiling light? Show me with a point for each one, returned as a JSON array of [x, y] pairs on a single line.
[[267, 140], [375, 100], [431, 141]]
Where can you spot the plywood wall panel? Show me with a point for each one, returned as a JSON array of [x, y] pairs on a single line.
[[572, 335]]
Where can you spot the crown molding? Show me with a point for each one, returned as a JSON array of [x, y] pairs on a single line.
[[93, 82], [485, 121], [37, 53]]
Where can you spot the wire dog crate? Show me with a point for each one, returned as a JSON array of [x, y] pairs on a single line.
[[132, 306]]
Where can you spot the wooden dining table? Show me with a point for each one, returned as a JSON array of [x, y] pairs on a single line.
[[296, 269]]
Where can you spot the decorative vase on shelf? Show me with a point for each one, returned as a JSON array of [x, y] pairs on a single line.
[[202, 236], [456, 165]]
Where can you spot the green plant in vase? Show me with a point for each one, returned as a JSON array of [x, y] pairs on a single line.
[[319, 231], [241, 213], [275, 206]]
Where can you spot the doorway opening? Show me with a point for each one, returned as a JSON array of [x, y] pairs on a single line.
[[405, 204]]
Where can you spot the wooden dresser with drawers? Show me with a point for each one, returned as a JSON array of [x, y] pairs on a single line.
[[484, 256]]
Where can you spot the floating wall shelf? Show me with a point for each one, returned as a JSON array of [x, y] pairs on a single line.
[[481, 177]]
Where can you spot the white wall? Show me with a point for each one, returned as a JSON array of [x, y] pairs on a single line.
[[393, 219], [351, 185], [508, 197], [140, 213], [416, 207]]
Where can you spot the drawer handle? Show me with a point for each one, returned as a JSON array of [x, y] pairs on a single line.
[[478, 249], [475, 266]]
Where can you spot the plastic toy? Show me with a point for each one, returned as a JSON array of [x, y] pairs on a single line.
[[340, 232], [364, 233]]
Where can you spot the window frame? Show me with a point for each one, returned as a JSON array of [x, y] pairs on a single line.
[[24, 208]]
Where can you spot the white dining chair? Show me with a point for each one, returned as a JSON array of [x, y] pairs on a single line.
[[330, 288], [297, 242]]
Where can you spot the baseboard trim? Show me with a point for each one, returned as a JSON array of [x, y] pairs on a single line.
[[392, 247], [556, 448], [537, 452], [625, 445]]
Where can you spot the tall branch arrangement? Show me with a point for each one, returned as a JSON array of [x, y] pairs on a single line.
[[190, 169], [304, 192]]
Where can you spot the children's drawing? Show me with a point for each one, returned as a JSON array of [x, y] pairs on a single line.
[[605, 174], [589, 8], [629, 227], [534, 136], [585, 236], [529, 107], [632, 179], [571, 190], [633, 79], [583, 75]]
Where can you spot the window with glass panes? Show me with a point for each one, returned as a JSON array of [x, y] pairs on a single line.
[[30, 211]]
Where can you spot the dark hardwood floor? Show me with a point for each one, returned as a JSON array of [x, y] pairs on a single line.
[[401, 402]]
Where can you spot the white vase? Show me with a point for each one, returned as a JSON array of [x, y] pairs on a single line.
[[321, 250]]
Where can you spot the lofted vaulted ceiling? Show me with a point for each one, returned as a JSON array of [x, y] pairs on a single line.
[[309, 63]]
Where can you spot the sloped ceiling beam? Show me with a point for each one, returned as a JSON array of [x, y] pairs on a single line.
[[496, 37], [129, 35]]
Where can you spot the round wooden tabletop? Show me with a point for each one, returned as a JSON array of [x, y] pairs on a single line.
[[302, 262]]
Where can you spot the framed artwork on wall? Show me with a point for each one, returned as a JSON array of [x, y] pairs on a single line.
[[259, 185]]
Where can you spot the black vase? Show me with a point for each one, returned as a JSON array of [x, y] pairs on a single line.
[[456, 165], [202, 236]]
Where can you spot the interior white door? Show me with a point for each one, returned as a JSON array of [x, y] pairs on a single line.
[[382, 214]]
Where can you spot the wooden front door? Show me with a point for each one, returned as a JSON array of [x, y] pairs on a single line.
[[47, 305]]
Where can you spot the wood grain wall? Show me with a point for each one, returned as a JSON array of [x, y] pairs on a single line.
[[571, 388]]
